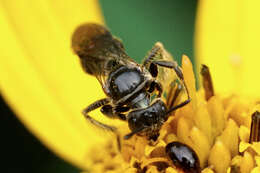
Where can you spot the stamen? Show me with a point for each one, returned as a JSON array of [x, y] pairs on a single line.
[[255, 128], [207, 82]]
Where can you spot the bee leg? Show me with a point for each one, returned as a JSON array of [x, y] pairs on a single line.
[[135, 131], [101, 125], [153, 70], [119, 110], [173, 65], [148, 62], [151, 64], [153, 53], [155, 85], [115, 112], [173, 94]]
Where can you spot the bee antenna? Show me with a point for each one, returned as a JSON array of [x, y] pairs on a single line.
[[129, 135], [178, 106]]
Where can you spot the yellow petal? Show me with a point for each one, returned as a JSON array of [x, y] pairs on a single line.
[[244, 133], [229, 170], [230, 137], [236, 161], [189, 79], [257, 160], [256, 147], [248, 163], [171, 170], [256, 170], [201, 145], [216, 111], [149, 149], [240, 111], [183, 131], [227, 37], [219, 157], [207, 170], [243, 146], [41, 79], [171, 138], [202, 120], [152, 169]]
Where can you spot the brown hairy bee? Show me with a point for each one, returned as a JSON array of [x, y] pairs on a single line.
[[133, 90]]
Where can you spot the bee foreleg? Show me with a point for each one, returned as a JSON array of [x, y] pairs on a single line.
[[94, 106], [99, 124], [114, 112]]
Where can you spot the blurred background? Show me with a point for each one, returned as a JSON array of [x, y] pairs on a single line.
[[139, 24]]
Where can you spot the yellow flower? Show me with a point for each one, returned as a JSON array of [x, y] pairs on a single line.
[[213, 127], [47, 89]]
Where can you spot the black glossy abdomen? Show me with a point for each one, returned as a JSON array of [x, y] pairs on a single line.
[[124, 82], [183, 157]]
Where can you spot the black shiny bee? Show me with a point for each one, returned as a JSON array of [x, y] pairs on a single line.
[[129, 86], [183, 157]]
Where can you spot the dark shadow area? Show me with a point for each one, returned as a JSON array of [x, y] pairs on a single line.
[[22, 152]]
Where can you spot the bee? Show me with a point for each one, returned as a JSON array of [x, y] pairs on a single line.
[[183, 157], [134, 91]]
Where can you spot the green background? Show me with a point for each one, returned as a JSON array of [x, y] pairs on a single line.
[[142, 23], [139, 23]]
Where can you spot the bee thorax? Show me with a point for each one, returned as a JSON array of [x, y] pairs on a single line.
[[142, 100]]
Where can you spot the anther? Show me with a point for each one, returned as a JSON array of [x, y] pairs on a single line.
[[255, 128], [207, 82]]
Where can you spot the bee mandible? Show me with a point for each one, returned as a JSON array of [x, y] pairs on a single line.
[[129, 86]]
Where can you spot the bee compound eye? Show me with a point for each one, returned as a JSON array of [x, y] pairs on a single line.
[[183, 157]]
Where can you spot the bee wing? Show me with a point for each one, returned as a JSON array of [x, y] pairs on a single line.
[[99, 51], [166, 76]]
